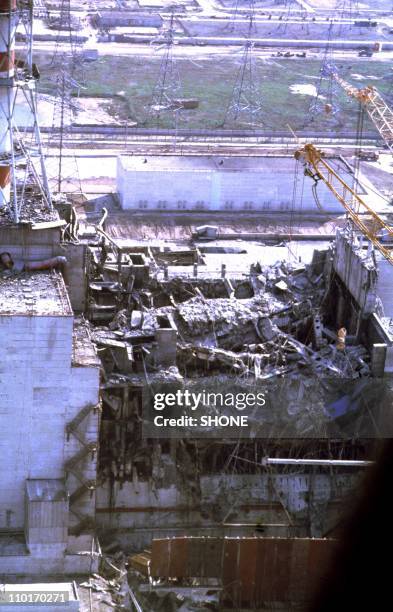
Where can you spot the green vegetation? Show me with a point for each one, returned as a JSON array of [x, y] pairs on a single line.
[[211, 81]]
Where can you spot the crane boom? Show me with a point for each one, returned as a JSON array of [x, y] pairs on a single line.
[[319, 169], [377, 109]]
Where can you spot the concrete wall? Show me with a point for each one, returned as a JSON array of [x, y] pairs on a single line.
[[138, 510], [268, 186], [26, 244], [34, 387], [39, 394], [76, 277], [357, 272], [67, 565], [377, 334], [384, 285], [112, 19]]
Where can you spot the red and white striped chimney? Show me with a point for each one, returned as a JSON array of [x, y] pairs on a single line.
[[7, 94]]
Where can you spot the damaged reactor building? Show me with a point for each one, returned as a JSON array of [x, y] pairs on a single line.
[[202, 276]]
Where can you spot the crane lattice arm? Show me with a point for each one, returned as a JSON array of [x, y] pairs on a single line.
[[373, 225], [377, 109]]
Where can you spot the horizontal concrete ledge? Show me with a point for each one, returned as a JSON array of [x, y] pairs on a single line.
[[285, 42], [69, 565], [227, 215], [214, 41], [262, 236]]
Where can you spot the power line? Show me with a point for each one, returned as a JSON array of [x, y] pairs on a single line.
[[325, 103], [245, 105], [66, 63], [167, 89]]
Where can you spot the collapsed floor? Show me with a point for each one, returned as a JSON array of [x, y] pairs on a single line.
[[156, 317]]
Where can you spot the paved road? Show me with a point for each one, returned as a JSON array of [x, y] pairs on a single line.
[[206, 50], [211, 7]]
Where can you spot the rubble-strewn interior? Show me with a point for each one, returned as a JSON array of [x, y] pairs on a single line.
[[195, 298]]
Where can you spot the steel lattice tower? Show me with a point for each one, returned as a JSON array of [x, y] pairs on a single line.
[[288, 6], [233, 19], [348, 8], [66, 63], [168, 87], [237, 18], [325, 102], [245, 103], [23, 179]]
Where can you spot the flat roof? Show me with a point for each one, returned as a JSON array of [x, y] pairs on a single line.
[[134, 30], [207, 163], [34, 210], [34, 294]]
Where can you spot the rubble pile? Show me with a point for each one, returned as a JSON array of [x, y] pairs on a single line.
[[278, 357], [193, 333], [279, 330], [110, 589]]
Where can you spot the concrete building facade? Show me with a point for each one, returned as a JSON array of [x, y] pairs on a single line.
[[49, 419], [217, 183]]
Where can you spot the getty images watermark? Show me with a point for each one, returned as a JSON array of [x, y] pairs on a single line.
[[183, 412], [292, 408]]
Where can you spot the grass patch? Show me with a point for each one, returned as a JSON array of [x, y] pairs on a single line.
[[212, 81]]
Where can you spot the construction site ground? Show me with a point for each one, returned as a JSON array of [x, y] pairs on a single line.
[[179, 226]]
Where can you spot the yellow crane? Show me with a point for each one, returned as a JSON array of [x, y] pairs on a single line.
[[362, 216], [377, 109]]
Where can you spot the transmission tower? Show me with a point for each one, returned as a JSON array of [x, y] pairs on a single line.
[[284, 18], [231, 27], [66, 64], [245, 103], [325, 102], [347, 8], [239, 19], [23, 181], [167, 89]]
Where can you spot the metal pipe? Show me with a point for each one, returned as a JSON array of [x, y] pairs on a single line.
[[134, 600], [318, 462], [264, 236], [45, 264], [101, 223], [111, 240]]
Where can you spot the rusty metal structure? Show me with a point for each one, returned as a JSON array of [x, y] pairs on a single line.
[[22, 167], [250, 572]]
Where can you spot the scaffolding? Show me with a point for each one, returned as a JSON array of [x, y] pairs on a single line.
[[23, 179]]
